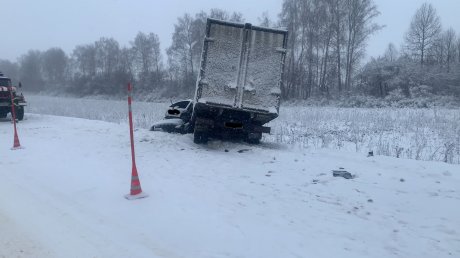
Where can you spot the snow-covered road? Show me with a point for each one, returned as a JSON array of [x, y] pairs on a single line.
[[62, 196]]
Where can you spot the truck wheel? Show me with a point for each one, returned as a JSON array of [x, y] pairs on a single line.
[[253, 138], [20, 113], [200, 137], [200, 133]]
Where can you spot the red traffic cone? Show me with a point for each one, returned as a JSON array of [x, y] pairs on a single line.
[[136, 189], [16, 144]]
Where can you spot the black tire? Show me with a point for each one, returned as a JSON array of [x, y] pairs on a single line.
[[200, 133], [200, 137], [253, 141], [253, 138], [20, 113]]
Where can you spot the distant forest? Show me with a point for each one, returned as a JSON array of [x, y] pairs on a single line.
[[324, 64]]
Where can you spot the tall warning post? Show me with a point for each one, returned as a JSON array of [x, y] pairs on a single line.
[[136, 190]]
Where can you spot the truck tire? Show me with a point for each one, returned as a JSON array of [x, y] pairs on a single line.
[[200, 137], [200, 132], [253, 138], [20, 113]]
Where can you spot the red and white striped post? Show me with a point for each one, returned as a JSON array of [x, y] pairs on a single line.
[[136, 190], [16, 144]]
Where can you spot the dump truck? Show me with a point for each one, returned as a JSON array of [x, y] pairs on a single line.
[[7, 91], [239, 85]]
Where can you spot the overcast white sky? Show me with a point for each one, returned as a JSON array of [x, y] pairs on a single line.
[[33, 24]]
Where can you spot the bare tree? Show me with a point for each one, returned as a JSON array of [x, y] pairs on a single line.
[[126, 63], [326, 38], [448, 40], [423, 31], [391, 54], [338, 25], [359, 14], [436, 53], [265, 21], [458, 49], [147, 54], [107, 53], [54, 65], [182, 56], [84, 57], [10, 69], [30, 70], [289, 18]]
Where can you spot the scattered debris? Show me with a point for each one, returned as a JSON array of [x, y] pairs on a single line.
[[226, 150], [342, 173], [370, 200], [402, 180], [243, 150], [370, 154]]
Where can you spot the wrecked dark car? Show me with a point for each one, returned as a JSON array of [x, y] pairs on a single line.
[[176, 119]]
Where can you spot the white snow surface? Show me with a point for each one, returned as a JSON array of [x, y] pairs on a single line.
[[62, 195], [171, 121]]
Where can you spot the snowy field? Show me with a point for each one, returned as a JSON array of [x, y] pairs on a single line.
[[62, 196], [421, 134]]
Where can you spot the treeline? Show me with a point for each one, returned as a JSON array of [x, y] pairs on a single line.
[[326, 48], [326, 44], [99, 68], [423, 72], [104, 67]]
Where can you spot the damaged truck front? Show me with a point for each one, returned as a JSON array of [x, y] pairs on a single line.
[[239, 85], [10, 97]]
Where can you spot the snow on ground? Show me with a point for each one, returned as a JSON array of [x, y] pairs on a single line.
[[62, 196]]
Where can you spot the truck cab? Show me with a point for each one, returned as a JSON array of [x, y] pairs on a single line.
[[9, 97]]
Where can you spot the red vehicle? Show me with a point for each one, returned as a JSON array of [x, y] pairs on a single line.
[[6, 91]]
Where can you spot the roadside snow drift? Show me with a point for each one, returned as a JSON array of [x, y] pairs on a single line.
[[62, 196]]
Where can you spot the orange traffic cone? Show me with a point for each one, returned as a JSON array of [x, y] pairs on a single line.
[[136, 190], [16, 144]]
